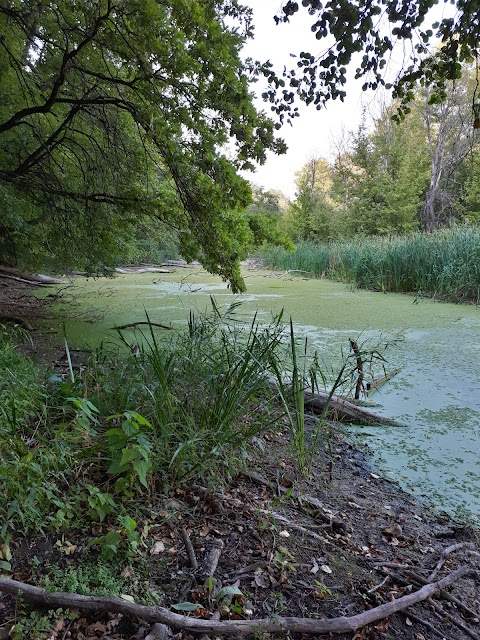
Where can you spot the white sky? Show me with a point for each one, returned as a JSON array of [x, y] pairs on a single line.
[[313, 132]]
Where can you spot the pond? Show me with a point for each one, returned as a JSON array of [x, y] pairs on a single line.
[[436, 394]]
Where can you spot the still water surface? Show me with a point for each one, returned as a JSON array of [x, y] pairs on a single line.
[[436, 394]]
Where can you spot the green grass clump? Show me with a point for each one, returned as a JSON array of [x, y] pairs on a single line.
[[444, 264], [91, 446], [20, 390]]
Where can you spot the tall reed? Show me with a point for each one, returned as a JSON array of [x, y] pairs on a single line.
[[444, 264]]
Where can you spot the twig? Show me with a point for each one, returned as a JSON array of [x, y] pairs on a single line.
[[446, 596], [260, 564], [313, 502], [443, 594], [446, 552], [427, 625], [155, 613], [137, 324], [438, 607], [378, 586], [286, 522], [189, 547], [392, 565]]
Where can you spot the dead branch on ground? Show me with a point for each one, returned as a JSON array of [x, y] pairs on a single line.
[[342, 624]]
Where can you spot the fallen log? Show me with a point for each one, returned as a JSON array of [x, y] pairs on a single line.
[[142, 270], [341, 410], [28, 278], [277, 624]]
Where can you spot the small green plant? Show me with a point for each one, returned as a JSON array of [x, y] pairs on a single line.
[[100, 504], [283, 558], [124, 541], [129, 447], [321, 591]]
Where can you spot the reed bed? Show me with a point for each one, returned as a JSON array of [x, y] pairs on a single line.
[[444, 264]]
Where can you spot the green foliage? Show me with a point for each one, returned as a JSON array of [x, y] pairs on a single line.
[[99, 578], [355, 26], [444, 264], [185, 405], [389, 174], [114, 120], [470, 198], [129, 446], [123, 541], [21, 392], [312, 214]]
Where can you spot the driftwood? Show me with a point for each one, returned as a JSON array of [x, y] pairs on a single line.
[[277, 624], [342, 410], [29, 278], [376, 383], [133, 270]]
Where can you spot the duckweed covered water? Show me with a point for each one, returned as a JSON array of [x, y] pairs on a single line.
[[436, 394]]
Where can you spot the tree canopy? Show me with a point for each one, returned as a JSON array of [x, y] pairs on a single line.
[[116, 114], [373, 27], [113, 112]]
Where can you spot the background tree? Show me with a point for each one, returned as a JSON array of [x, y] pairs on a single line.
[[389, 176], [311, 216], [116, 111], [450, 137]]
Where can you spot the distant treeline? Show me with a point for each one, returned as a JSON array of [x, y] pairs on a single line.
[[443, 264]]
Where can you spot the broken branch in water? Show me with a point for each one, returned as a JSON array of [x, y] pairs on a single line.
[[376, 383], [131, 325], [343, 624]]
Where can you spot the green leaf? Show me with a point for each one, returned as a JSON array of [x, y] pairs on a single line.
[[129, 524], [5, 566], [141, 468], [228, 591], [185, 606]]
